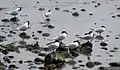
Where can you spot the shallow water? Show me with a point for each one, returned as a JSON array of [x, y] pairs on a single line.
[[102, 15]]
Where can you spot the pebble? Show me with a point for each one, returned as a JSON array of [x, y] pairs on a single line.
[[75, 14], [21, 61], [80, 61], [39, 31], [5, 52], [118, 15], [45, 34], [90, 64], [114, 64], [5, 20], [83, 10], [103, 44], [57, 8]]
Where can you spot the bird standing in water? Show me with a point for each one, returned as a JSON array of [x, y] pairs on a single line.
[[14, 12], [100, 30], [24, 27], [87, 36]]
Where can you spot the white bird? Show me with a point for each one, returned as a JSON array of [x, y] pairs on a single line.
[[87, 36], [73, 45], [48, 13], [14, 12], [61, 37], [24, 27], [100, 30], [53, 46]]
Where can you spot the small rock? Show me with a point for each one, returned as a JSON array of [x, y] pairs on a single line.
[[11, 57], [37, 60], [118, 15], [41, 54], [66, 11], [5, 20], [113, 16], [51, 26], [83, 10], [75, 14], [90, 14], [5, 52], [42, 68], [104, 48], [20, 61], [103, 44], [36, 38], [82, 65], [73, 8], [97, 63], [39, 31], [80, 61], [115, 48], [90, 64], [45, 34], [118, 8], [12, 66], [114, 64], [98, 4], [57, 8], [41, 9]]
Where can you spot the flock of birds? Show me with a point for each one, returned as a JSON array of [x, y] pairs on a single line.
[[89, 36]]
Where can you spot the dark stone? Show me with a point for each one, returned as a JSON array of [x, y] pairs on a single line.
[[45, 34], [73, 8], [105, 48], [12, 57], [12, 66], [41, 9], [118, 8], [107, 35], [9, 35], [80, 61], [66, 11], [90, 14], [115, 48], [21, 61], [42, 54], [82, 65], [5, 20], [75, 14], [113, 16], [6, 59], [12, 32], [42, 68], [117, 38], [38, 60], [5, 52], [114, 64], [47, 19], [57, 8], [2, 9], [98, 4], [103, 44], [51, 26], [90, 64], [39, 31], [99, 37], [102, 68], [74, 67], [83, 10], [36, 38], [97, 63], [118, 15]]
